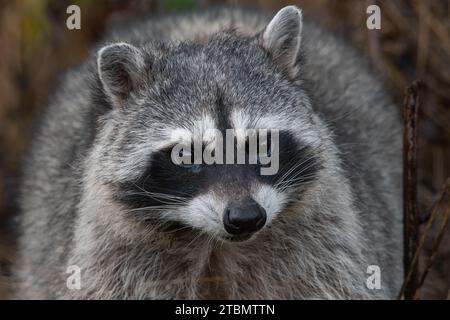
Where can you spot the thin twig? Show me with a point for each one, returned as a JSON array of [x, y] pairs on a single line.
[[410, 209], [415, 259], [442, 205]]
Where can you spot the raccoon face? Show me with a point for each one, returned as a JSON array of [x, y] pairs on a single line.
[[218, 136], [229, 200]]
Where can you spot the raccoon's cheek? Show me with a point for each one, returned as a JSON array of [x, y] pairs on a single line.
[[270, 199], [204, 212]]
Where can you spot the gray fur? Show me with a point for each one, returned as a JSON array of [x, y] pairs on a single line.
[[318, 247]]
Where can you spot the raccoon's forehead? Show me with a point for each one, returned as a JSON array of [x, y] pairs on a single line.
[[204, 127]]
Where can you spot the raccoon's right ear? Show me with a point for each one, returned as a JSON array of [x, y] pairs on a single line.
[[121, 68]]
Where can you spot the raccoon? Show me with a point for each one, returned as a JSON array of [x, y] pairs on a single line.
[[100, 190]]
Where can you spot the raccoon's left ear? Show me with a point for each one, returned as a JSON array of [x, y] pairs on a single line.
[[282, 37], [121, 68]]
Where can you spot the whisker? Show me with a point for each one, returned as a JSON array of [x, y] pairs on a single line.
[[282, 182]]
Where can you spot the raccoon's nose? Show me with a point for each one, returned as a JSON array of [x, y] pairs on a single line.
[[245, 218]]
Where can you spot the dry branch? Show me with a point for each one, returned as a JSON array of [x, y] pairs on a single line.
[[443, 205], [410, 209]]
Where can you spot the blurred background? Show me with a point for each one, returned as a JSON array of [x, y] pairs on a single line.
[[413, 43]]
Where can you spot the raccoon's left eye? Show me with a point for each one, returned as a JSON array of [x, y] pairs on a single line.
[[194, 168]]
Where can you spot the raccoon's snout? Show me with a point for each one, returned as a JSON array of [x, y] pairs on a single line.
[[245, 218]]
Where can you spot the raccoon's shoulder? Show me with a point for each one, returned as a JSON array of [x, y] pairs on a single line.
[[347, 92], [65, 128]]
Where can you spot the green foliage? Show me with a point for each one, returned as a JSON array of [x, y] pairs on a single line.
[[177, 5], [34, 22]]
